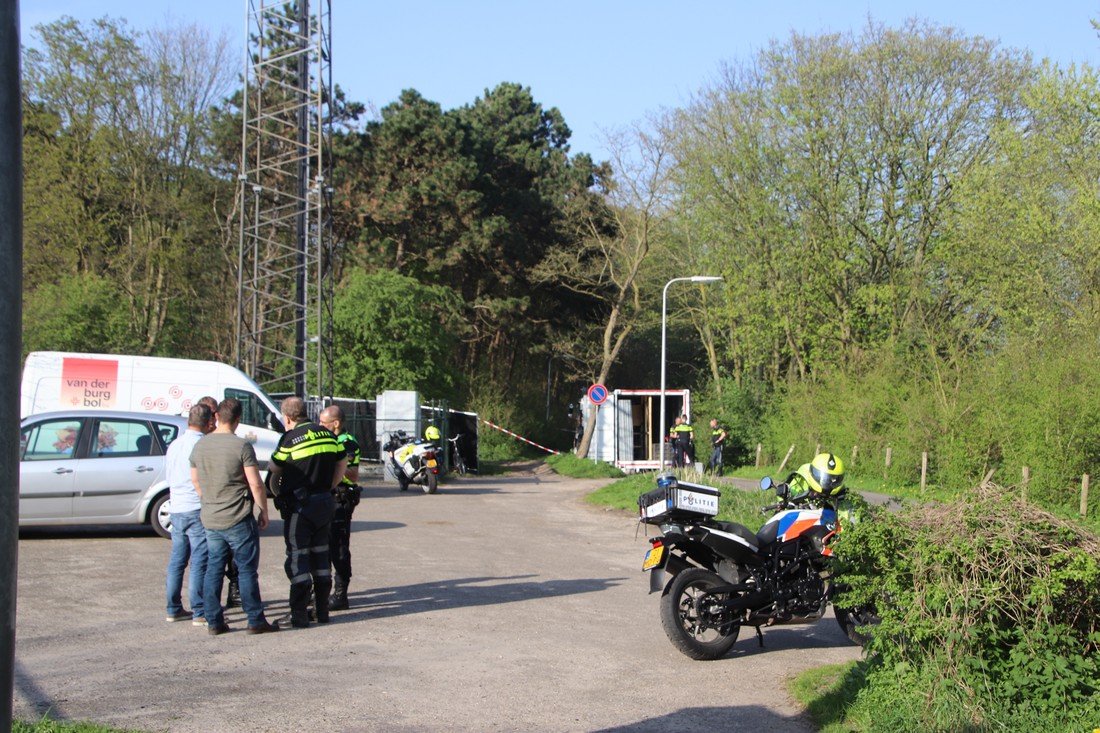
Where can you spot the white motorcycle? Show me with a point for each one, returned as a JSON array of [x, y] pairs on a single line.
[[413, 461]]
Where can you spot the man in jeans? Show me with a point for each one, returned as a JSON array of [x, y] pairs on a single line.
[[226, 476], [188, 534]]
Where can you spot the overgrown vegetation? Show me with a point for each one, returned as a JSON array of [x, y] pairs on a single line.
[[990, 617]]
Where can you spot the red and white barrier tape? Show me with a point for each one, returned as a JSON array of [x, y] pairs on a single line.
[[520, 437]]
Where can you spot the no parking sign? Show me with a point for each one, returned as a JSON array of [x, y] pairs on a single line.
[[597, 393]]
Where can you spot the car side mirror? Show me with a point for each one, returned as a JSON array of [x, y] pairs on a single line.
[[766, 483], [274, 423]]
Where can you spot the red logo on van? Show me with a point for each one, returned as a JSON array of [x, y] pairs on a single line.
[[89, 382]]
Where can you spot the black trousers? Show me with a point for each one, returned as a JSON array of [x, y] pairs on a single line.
[[306, 532], [340, 541]]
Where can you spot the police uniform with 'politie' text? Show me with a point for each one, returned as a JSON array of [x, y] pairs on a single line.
[[347, 498], [307, 458]]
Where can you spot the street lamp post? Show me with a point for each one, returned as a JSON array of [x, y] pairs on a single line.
[[664, 345]]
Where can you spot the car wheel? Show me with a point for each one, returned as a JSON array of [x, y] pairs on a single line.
[[160, 516]]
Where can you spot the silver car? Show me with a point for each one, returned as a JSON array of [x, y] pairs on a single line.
[[95, 467]]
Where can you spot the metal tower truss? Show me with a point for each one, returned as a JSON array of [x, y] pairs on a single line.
[[285, 289]]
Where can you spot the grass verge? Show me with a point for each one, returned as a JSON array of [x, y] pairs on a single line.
[[45, 725], [735, 505], [567, 464], [828, 692]]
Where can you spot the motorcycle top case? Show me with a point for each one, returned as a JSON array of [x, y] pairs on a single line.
[[685, 501]]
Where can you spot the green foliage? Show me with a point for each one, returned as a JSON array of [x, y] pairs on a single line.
[[567, 464], [82, 314], [394, 332], [739, 408], [991, 619], [117, 182]]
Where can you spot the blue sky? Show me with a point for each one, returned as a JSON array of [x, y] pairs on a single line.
[[603, 63]]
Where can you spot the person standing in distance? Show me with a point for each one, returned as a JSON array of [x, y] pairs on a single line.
[[188, 534], [305, 469], [227, 479], [347, 498], [717, 441]]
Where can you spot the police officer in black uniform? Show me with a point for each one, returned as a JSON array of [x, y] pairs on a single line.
[[347, 498], [308, 464]]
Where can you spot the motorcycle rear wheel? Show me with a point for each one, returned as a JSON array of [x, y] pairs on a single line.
[[700, 634], [431, 483], [857, 623]]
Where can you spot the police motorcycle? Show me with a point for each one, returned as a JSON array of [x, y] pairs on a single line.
[[413, 461], [725, 576]]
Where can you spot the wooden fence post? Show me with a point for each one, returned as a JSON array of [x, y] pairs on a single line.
[[1026, 473], [1085, 495], [817, 449], [786, 458], [923, 470], [855, 452], [759, 453], [886, 471]]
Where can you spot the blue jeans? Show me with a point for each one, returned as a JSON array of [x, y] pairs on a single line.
[[244, 540], [188, 541]]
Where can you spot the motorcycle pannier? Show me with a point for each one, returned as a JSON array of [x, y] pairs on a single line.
[[684, 501]]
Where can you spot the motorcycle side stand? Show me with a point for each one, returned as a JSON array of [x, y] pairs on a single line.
[[760, 637]]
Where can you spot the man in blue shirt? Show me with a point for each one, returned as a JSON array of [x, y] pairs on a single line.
[[188, 534]]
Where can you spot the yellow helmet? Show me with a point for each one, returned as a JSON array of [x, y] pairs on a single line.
[[431, 432], [824, 474]]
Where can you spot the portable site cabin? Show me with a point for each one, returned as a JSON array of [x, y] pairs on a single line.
[[628, 433]]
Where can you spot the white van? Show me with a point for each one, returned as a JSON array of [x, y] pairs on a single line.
[[62, 381]]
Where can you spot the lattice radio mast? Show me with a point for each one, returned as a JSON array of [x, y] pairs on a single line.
[[285, 289]]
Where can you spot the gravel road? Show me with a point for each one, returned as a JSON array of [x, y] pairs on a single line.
[[500, 603]]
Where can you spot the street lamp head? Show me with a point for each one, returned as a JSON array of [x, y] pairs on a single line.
[[705, 278]]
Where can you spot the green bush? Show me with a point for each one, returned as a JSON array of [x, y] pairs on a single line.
[[992, 619], [739, 409]]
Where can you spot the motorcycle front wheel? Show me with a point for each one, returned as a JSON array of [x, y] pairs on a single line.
[[700, 631], [431, 483]]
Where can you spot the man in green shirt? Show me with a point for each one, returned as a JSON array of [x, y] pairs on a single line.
[[226, 477]]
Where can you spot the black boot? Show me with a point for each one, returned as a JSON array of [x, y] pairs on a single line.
[[321, 599], [233, 597], [338, 601], [299, 602]]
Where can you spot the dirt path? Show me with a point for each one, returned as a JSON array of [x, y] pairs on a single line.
[[501, 603]]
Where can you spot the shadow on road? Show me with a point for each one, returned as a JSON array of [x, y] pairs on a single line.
[[707, 720], [462, 593], [28, 689]]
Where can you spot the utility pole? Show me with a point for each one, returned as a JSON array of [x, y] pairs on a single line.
[[11, 285]]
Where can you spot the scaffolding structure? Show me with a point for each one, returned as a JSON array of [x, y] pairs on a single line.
[[285, 290]]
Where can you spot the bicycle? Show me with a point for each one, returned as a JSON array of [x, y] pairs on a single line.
[[459, 464]]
